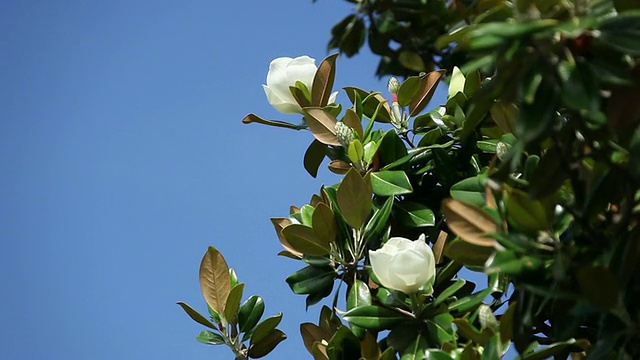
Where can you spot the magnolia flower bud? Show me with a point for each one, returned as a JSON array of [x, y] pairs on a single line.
[[403, 265], [283, 73], [393, 85], [344, 134]]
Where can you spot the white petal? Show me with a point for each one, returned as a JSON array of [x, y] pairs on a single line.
[[302, 69], [332, 97], [279, 104], [380, 265]]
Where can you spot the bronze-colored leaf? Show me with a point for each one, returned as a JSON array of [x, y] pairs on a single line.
[[369, 347], [319, 351], [250, 118], [505, 116], [352, 120], [214, 280], [315, 200], [278, 225], [323, 81], [438, 246], [305, 240], [506, 323], [469, 222], [322, 125], [428, 85], [324, 223], [311, 333], [339, 167], [354, 198]]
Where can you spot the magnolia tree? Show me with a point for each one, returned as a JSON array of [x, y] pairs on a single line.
[[527, 174]]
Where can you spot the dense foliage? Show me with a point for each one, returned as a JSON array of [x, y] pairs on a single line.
[[528, 173]]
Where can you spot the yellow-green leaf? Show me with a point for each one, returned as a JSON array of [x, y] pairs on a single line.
[[233, 303]]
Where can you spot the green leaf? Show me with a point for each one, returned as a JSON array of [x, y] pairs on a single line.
[[305, 240], [378, 221], [431, 354], [372, 104], [416, 349], [373, 317], [324, 223], [323, 81], [526, 213], [441, 329], [250, 313], [359, 295], [390, 183], [408, 90], [428, 85], [505, 261], [313, 157], [456, 84], [622, 33], [195, 316], [263, 347], [471, 302], [411, 60], [413, 214], [210, 338], [215, 282], [470, 190], [391, 148], [233, 303], [466, 253], [343, 345], [354, 198], [450, 291], [469, 222], [265, 328], [311, 279]]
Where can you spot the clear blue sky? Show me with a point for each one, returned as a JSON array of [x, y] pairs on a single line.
[[123, 157]]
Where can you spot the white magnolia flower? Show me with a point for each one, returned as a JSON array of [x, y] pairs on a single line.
[[403, 265], [283, 73]]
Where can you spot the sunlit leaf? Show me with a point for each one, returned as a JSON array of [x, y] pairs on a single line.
[[390, 183], [323, 81], [469, 222], [210, 338], [195, 316], [251, 118], [250, 313], [373, 317], [322, 125], [233, 303], [354, 198], [214, 280], [305, 240]]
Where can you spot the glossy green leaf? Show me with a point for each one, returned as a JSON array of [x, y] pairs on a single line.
[[470, 302], [431, 354], [456, 84], [391, 148], [373, 317], [390, 183], [313, 157], [343, 345], [372, 104], [505, 261], [408, 89], [416, 349], [233, 303], [210, 338], [311, 279], [378, 221], [450, 291], [195, 316], [359, 295], [354, 198], [414, 214], [265, 328], [265, 345], [470, 190], [305, 240], [250, 313]]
